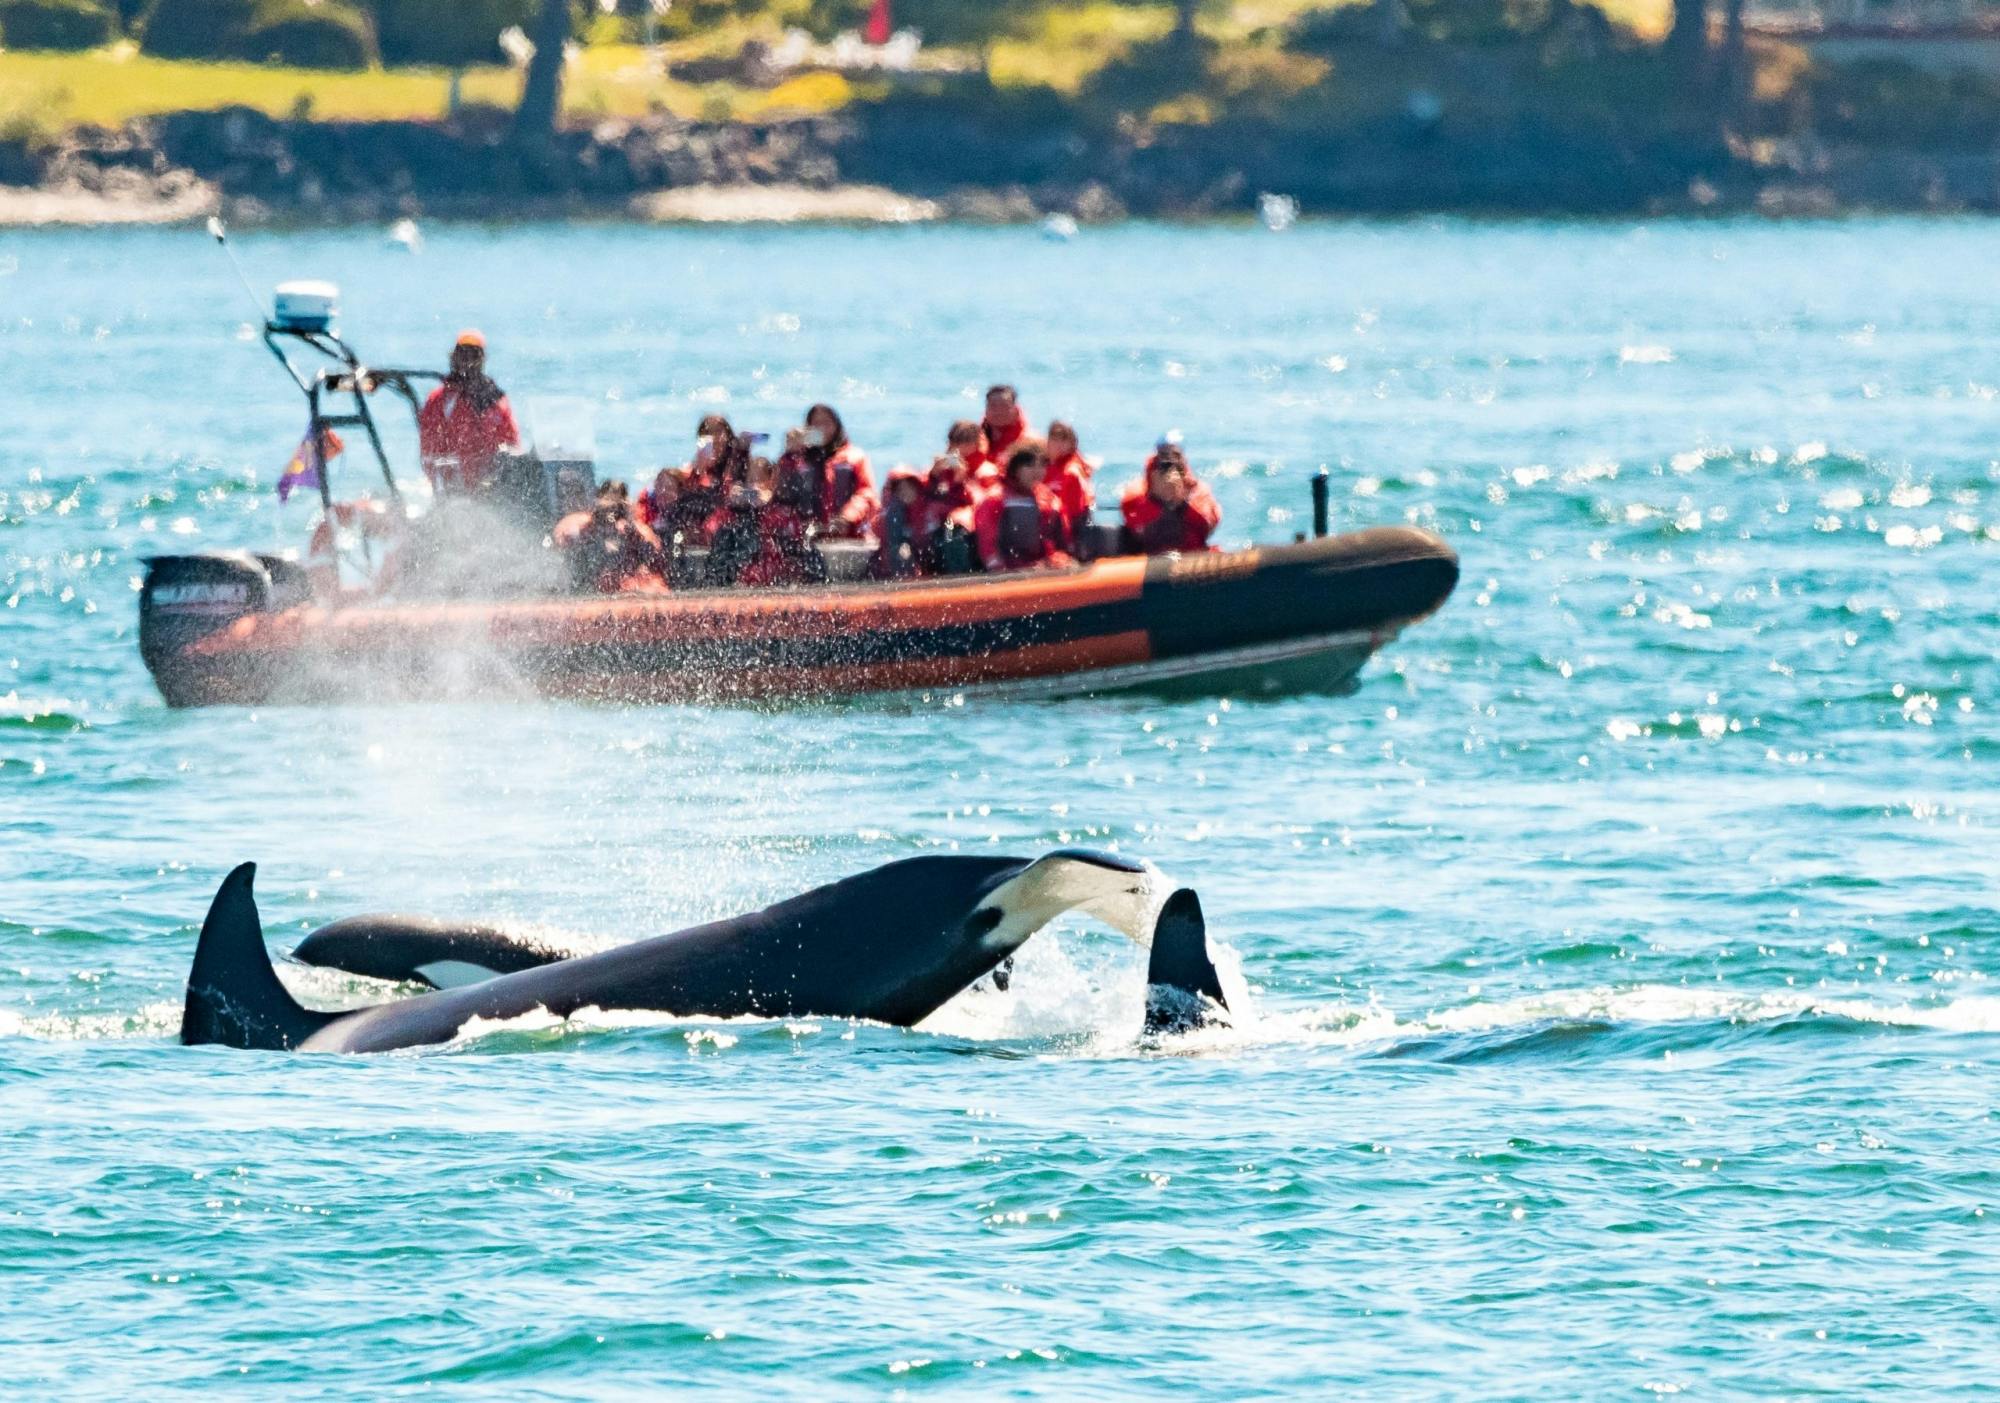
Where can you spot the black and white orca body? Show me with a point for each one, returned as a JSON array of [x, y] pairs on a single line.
[[1183, 990], [890, 945], [419, 950]]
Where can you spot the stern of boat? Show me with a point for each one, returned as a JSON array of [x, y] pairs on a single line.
[[186, 599]]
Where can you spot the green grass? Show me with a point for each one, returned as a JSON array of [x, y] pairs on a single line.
[[110, 86]]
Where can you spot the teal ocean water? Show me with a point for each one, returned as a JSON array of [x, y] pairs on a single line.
[[1617, 1014]]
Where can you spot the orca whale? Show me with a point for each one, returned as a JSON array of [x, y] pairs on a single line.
[[890, 945], [419, 950], [1183, 990]]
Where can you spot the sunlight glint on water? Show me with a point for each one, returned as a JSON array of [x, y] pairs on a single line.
[[1614, 966]]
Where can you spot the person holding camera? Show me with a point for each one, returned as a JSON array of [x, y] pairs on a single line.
[[826, 475], [1172, 510], [763, 532], [609, 550]]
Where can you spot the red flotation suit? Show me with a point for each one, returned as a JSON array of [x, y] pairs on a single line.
[[1155, 529], [1017, 530], [467, 421]]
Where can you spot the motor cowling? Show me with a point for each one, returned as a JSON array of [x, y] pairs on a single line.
[[185, 598]]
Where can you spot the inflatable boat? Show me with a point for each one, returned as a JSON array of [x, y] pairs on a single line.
[[469, 598], [240, 629]]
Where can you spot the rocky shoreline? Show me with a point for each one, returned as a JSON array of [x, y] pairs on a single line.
[[909, 163]]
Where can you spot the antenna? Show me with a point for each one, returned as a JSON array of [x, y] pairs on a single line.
[[221, 235]]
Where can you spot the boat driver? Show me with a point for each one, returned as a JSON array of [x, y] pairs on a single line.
[[466, 421]]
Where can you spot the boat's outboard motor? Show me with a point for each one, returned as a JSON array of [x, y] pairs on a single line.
[[185, 598]]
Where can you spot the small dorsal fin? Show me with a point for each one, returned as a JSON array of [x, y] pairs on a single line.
[[233, 995], [1183, 990]]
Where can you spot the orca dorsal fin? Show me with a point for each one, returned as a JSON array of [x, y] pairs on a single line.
[[1183, 991], [233, 995]]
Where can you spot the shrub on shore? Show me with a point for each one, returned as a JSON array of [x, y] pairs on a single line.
[[304, 33], [448, 33], [56, 24]]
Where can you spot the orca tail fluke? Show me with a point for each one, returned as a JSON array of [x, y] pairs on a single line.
[[1183, 991], [233, 995]]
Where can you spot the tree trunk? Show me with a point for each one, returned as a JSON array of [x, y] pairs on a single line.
[[1687, 41], [1735, 66], [1184, 28], [541, 91]]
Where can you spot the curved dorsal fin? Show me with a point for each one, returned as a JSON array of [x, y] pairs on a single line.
[[233, 995], [1183, 990]]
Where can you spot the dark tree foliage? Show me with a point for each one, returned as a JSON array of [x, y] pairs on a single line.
[[449, 33], [56, 24], [329, 34]]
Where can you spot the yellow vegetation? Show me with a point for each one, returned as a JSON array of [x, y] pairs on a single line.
[[1066, 44], [1259, 68], [114, 85]]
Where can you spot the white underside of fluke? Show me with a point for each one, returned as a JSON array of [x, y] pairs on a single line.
[[1044, 890]]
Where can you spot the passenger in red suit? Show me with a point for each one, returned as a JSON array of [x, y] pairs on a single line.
[[1070, 477], [677, 507], [609, 550], [758, 537], [949, 494], [1020, 527], [841, 498], [465, 422], [1003, 427], [658, 504], [965, 446], [1171, 510], [902, 528]]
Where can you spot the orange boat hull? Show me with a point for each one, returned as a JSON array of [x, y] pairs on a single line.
[[1312, 611]]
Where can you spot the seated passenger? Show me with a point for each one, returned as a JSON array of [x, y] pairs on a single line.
[[1003, 427], [674, 510], [704, 478], [949, 495], [902, 528], [713, 436], [465, 422], [964, 450], [1171, 510], [840, 496], [759, 536], [1070, 478], [1020, 527], [609, 550], [658, 503]]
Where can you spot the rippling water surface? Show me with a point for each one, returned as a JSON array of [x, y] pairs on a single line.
[[1618, 954]]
